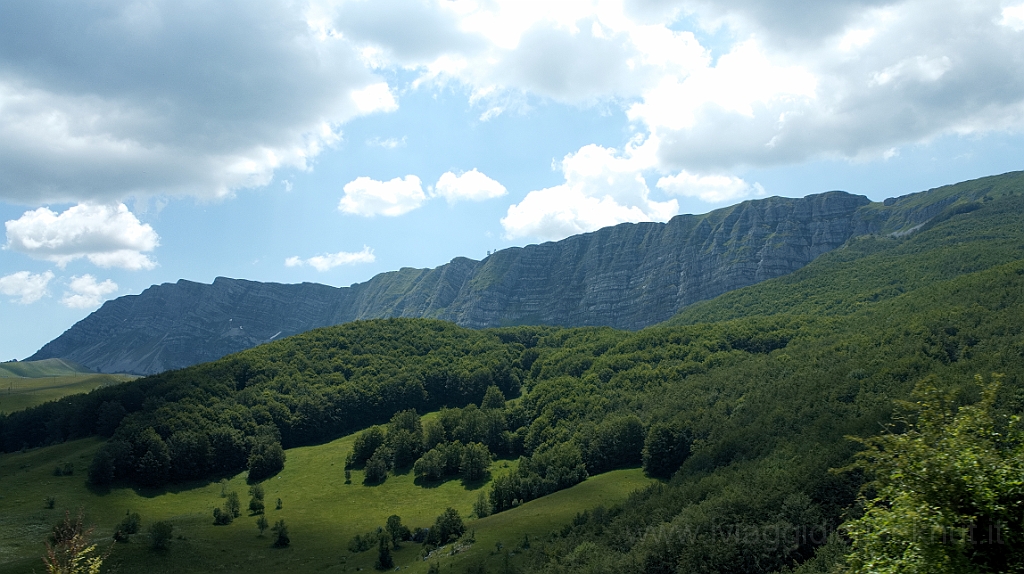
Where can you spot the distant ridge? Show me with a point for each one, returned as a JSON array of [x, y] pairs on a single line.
[[628, 276], [40, 368]]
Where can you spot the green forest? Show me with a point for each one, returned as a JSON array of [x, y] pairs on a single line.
[[784, 425]]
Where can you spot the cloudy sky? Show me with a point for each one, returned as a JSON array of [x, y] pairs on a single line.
[[327, 141]]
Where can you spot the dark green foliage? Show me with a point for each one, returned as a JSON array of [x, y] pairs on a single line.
[[281, 539], [130, 524], [50, 502], [160, 535], [379, 465], [945, 495], [303, 390], [384, 559], [256, 505], [364, 542], [397, 531], [475, 460], [493, 399], [759, 387], [232, 505], [66, 469], [482, 506], [665, 449], [265, 459], [222, 517], [617, 442], [367, 443], [447, 528]]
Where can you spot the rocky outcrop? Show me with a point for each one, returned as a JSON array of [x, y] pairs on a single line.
[[628, 276]]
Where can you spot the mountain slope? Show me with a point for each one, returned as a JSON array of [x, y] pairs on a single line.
[[628, 276]]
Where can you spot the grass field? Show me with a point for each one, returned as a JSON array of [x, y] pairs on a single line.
[[18, 393], [321, 511]]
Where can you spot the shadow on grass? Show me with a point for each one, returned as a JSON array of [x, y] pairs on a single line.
[[477, 483], [424, 482], [155, 491]]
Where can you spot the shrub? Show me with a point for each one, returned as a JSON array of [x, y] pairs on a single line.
[[160, 535], [281, 530]]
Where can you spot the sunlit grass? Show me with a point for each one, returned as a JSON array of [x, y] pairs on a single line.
[[321, 511]]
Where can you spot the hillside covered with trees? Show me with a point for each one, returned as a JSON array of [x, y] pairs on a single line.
[[742, 405]]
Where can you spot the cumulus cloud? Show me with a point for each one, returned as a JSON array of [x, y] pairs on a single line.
[[202, 97], [331, 260], [602, 187], [709, 188], [368, 197], [84, 292], [777, 84], [26, 287], [108, 235], [112, 100], [471, 185]]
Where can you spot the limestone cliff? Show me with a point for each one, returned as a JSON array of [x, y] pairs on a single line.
[[628, 276]]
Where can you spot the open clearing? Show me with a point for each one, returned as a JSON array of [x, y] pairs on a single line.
[[321, 511], [18, 393]]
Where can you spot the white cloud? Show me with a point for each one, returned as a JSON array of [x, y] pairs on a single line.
[[108, 235], [471, 185], [368, 197], [601, 188], [776, 84], [28, 287], [389, 143], [375, 98], [709, 188], [1013, 17], [86, 293], [332, 260], [105, 101]]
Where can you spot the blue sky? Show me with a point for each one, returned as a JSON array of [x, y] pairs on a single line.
[[327, 141]]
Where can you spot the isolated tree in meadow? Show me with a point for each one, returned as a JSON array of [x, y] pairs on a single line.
[[384, 559], [396, 530], [448, 527], [281, 531], [128, 526], [232, 505], [256, 505], [160, 535], [262, 523]]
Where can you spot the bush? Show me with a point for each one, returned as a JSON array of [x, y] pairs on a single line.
[[232, 505], [222, 518], [378, 466], [160, 535], [447, 528], [281, 530], [128, 526]]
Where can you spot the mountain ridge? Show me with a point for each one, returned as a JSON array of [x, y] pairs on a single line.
[[627, 276]]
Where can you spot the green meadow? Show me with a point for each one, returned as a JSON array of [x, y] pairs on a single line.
[[17, 393], [322, 513]]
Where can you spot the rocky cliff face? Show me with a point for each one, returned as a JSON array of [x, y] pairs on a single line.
[[628, 276]]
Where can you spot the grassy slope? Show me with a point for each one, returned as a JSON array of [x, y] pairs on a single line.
[[18, 393], [322, 513], [44, 368]]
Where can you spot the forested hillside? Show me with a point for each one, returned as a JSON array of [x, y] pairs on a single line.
[[742, 404]]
